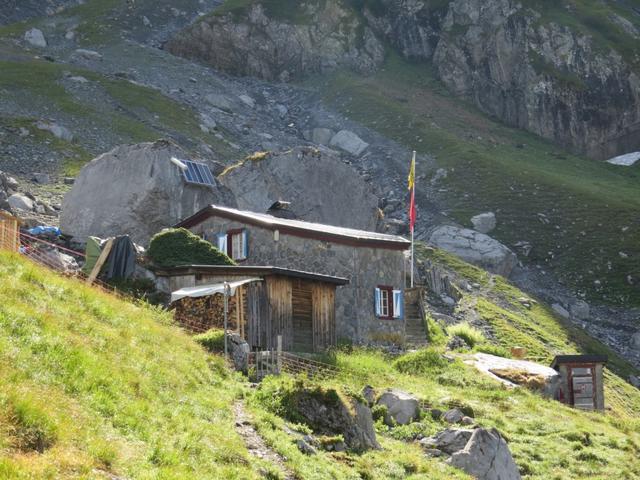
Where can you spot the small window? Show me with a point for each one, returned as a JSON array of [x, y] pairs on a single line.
[[236, 244], [384, 302]]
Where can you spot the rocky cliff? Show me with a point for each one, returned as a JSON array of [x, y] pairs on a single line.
[[569, 74], [313, 37]]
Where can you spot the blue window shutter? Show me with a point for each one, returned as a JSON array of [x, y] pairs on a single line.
[[245, 244], [377, 301], [398, 304], [222, 242]]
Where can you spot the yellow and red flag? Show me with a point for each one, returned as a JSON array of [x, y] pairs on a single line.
[[412, 189]]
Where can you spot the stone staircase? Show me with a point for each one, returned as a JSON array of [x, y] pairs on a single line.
[[415, 328]]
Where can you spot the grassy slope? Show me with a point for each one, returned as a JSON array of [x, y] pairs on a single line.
[[91, 384], [587, 203], [548, 440]]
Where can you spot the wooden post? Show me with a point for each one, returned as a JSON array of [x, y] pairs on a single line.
[[9, 232], [279, 356], [100, 262]]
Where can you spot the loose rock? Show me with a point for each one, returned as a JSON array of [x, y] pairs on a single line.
[[349, 142], [402, 407], [476, 248], [486, 456], [35, 37], [484, 222]]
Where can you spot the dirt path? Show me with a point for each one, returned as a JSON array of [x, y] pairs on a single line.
[[254, 442]]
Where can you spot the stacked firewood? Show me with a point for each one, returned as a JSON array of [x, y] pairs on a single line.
[[203, 313]]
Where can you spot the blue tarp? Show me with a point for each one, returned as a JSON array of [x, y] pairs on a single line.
[[41, 230]]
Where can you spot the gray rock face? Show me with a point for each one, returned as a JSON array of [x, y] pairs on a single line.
[[41, 178], [476, 248], [369, 394], [251, 42], [134, 190], [18, 201], [221, 102], [321, 136], [349, 142], [453, 416], [448, 441], [635, 341], [542, 77], [560, 310], [319, 186], [486, 457], [402, 407], [580, 310], [35, 37], [484, 222]]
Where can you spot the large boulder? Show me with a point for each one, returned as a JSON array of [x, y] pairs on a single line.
[[349, 142], [329, 414], [18, 201], [486, 456], [35, 37], [134, 190], [484, 222], [475, 247], [320, 187], [402, 407], [448, 441]]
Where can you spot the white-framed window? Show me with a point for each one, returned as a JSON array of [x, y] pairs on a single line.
[[388, 302], [234, 243], [384, 303], [237, 246]]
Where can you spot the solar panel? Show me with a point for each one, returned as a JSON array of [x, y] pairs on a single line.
[[198, 173]]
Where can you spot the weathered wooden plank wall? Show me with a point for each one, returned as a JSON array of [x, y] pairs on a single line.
[[302, 315], [324, 320], [279, 293], [257, 315]]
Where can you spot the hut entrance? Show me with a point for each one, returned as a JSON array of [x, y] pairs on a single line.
[[302, 303]]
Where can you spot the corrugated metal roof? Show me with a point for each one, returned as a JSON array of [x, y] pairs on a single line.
[[318, 231]]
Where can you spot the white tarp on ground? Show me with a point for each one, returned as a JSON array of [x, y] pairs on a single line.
[[625, 160], [206, 290]]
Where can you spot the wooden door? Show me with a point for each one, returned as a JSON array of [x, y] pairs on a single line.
[[302, 303]]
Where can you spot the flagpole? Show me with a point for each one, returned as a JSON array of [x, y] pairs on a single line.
[[413, 227]]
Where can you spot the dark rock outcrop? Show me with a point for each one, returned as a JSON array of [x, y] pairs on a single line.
[[321, 37], [330, 414], [514, 62]]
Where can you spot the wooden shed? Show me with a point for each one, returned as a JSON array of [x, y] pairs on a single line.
[[299, 306], [581, 380]]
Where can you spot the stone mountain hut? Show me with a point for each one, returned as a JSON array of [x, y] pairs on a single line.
[[369, 309]]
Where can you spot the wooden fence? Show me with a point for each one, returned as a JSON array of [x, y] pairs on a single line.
[[9, 232]]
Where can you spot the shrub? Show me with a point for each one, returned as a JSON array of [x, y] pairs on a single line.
[[379, 412], [496, 350], [426, 360], [472, 336], [178, 246], [212, 340]]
